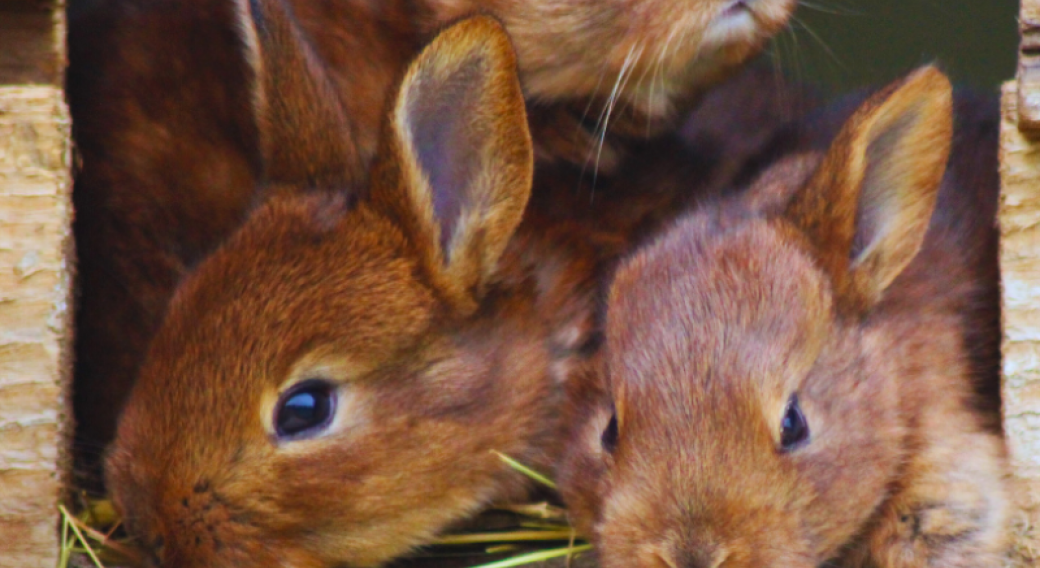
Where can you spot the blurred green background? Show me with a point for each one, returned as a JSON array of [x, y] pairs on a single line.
[[850, 43]]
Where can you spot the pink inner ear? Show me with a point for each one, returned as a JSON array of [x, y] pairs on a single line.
[[447, 142], [879, 200]]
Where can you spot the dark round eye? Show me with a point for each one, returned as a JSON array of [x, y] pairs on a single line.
[[304, 409], [794, 430], [610, 434]]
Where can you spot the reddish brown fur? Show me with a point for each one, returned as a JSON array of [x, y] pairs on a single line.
[[574, 49], [455, 353], [849, 298], [365, 295], [176, 124]]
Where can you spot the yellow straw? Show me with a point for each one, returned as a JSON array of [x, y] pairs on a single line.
[[535, 557], [525, 470], [79, 535], [518, 536]]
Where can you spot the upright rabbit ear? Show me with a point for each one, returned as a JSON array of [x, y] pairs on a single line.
[[456, 165], [868, 207], [305, 137]]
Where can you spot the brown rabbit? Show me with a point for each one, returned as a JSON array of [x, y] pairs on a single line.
[[328, 385], [176, 125], [789, 381], [308, 399]]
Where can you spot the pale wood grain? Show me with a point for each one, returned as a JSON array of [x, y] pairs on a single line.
[[35, 257], [1020, 275]]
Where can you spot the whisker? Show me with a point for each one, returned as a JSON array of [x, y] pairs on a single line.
[[796, 51], [603, 121], [595, 91], [623, 76], [662, 56], [826, 48], [832, 10], [639, 83], [584, 120], [629, 103], [786, 105], [787, 48]]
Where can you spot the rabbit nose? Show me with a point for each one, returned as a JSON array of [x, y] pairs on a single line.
[[689, 556], [737, 6], [198, 526], [704, 558]]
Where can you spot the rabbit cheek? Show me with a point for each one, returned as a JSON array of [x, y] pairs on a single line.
[[584, 471], [628, 525]]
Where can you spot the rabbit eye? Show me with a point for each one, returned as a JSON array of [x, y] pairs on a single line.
[[305, 409], [610, 434], [794, 430]]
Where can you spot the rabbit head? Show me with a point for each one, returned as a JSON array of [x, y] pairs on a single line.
[[327, 387], [747, 409], [644, 54]]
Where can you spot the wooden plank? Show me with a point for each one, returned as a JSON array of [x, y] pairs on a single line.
[[34, 318], [35, 255], [1019, 218], [1020, 275]]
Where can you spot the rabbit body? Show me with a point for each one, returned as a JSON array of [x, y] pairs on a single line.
[[182, 128], [789, 376]]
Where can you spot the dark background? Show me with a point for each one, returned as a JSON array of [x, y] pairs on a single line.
[[851, 43]]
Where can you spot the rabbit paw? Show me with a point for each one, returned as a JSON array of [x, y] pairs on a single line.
[[950, 512]]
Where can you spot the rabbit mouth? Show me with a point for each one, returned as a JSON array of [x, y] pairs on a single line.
[[737, 22], [742, 21], [736, 9]]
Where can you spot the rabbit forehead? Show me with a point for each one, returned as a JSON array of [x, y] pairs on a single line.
[[296, 281], [713, 313]]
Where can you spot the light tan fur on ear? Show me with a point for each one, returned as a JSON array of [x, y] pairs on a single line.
[[305, 136], [457, 164], [867, 208]]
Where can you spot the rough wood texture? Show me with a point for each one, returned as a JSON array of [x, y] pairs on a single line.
[[1019, 219], [34, 281], [1029, 68], [1020, 273], [34, 215]]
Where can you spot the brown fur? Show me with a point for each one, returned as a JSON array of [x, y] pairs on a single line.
[[367, 295], [829, 281], [178, 119], [394, 290]]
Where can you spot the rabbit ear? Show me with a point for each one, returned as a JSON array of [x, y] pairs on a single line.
[[457, 162], [868, 206], [304, 134]]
